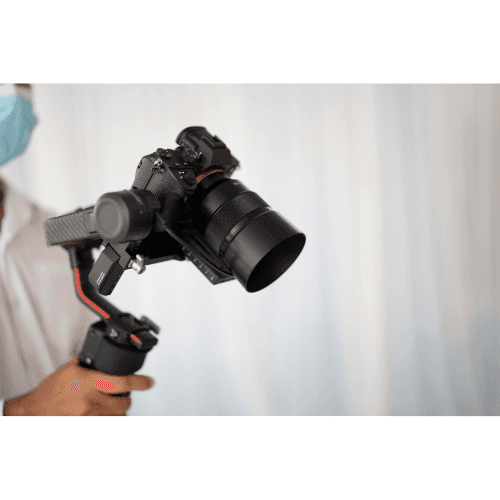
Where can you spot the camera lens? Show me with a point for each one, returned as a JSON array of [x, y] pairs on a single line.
[[257, 243]]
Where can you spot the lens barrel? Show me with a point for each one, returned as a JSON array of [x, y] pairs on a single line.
[[257, 243]]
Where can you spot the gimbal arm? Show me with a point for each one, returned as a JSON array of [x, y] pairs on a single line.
[[119, 342]]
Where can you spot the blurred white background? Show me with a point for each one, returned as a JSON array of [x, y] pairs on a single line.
[[392, 307]]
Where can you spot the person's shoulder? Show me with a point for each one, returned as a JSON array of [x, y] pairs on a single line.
[[31, 239], [22, 204], [37, 229], [40, 215]]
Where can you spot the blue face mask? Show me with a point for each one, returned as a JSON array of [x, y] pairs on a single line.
[[16, 124]]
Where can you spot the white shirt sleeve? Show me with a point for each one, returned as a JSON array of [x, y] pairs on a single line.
[[42, 321]]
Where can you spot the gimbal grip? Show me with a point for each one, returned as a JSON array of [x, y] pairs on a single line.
[[70, 227], [103, 354]]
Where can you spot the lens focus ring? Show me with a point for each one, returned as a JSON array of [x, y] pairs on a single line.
[[229, 214]]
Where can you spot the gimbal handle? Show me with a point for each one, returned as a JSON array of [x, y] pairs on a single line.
[[119, 342]]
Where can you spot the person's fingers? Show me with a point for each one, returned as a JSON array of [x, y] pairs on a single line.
[[140, 382], [118, 404], [112, 384], [94, 407], [73, 361], [122, 414], [110, 405], [104, 408], [107, 414]]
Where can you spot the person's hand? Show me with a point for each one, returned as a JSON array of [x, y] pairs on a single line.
[[74, 390]]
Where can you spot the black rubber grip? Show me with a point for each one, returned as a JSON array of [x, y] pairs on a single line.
[[68, 228]]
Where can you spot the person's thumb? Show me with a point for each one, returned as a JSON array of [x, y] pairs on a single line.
[[140, 382]]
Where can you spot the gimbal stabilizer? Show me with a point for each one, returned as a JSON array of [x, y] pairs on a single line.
[[183, 206]]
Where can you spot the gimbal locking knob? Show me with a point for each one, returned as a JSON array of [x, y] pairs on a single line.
[[137, 264]]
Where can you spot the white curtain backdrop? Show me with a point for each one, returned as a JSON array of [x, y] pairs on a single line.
[[393, 305]]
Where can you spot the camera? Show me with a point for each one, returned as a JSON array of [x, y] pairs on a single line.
[[183, 204]]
